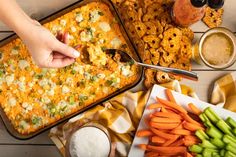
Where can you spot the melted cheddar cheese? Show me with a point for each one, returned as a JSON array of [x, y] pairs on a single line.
[[33, 98]]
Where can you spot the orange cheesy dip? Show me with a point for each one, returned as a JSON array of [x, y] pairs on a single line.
[[33, 98]]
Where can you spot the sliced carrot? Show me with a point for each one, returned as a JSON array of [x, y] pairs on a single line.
[[167, 115], [157, 139], [144, 133], [168, 150], [170, 95], [151, 154], [194, 109], [192, 126], [180, 126], [165, 120], [181, 132], [179, 142], [190, 142], [189, 119], [163, 134], [163, 109], [164, 126], [142, 146], [172, 105], [154, 106], [191, 138], [189, 155], [170, 141]]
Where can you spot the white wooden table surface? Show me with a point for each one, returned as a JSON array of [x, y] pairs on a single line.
[[42, 146]]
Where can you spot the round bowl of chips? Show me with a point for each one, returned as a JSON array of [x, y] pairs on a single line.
[[216, 48]]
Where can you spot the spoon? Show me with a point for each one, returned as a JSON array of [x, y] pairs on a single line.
[[124, 57]]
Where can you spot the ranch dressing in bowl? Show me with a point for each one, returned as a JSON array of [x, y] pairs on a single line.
[[89, 141], [216, 48]]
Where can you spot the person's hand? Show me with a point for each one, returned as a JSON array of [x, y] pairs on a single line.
[[46, 50]]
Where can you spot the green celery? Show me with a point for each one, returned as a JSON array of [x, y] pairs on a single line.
[[201, 135], [196, 148], [208, 124], [199, 155], [217, 142], [231, 148], [231, 122], [215, 154], [201, 116], [229, 154], [224, 127], [208, 144], [212, 115], [234, 131], [222, 152], [214, 132], [208, 152], [229, 140]]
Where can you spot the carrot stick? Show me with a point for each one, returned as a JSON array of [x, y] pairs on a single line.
[[192, 126], [167, 150], [154, 106], [179, 142], [181, 132], [191, 138], [194, 109], [163, 134], [189, 119], [151, 154], [165, 120], [170, 96], [164, 126], [167, 115], [163, 109], [157, 139], [172, 110], [190, 142], [142, 146], [170, 141], [144, 133], [172, 105], [180, 126], [189, 155]]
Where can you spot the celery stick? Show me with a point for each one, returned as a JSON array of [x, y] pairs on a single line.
[[229, 154], [208, 144], [231, 148], [217, 142], [199, 155], [214, 132], [195, 148], [215, 154], [224, 127], [201, 116], [210, 116], [201, 135], [229, 139], [234, 131], [222, 152], [206, 153], [214, 114], [231, 122], [208, 124]]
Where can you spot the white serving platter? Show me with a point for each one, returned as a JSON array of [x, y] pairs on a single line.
[[182, 100]]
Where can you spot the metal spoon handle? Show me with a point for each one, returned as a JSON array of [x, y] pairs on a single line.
[[183, 73]]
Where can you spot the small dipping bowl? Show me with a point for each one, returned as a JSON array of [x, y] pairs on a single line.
[[92, 139], [198, 54]]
